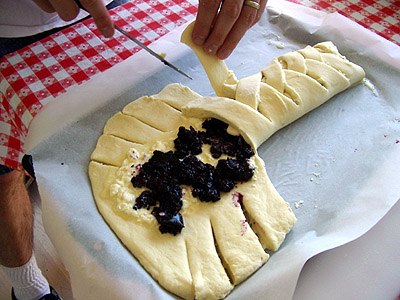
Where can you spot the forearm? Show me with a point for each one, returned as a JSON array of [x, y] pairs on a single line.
[[16, 220]]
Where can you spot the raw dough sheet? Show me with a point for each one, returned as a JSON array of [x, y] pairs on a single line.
[[337, 166]]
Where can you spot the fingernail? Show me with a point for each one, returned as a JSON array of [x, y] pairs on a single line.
[[212, 49], [107, 31], [199, 40], [224, 53]]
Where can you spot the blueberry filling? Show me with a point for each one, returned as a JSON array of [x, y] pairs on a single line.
[[165, 172], [187, 142], [222, 142]]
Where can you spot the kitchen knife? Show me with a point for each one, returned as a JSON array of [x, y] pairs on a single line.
[[129, 36]]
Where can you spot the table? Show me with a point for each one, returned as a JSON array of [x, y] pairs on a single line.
[[34, 75]]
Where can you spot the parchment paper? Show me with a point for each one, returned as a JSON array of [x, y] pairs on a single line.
[[337, 166]]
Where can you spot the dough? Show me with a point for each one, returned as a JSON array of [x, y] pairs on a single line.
[[218, 247], [289, 86], [223, 242]]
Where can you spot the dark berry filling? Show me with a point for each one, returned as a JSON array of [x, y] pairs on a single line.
[[165, 172], [169, 223], [222, 142], [187, 142]]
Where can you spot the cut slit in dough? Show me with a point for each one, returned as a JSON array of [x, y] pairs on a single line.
[[229, 249], [306, 78], [222, 243]]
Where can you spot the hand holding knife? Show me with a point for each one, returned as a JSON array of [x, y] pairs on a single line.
[[156, 55]]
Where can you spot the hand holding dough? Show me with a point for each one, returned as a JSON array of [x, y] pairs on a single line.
[[220, 25], [289, 86]]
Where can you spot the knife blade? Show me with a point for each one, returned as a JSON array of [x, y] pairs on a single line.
[[156, 55], [140, 44]]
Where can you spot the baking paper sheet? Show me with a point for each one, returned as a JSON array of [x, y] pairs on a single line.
[[338, 166]]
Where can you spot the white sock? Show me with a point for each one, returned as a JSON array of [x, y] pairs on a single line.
[[27, 280]]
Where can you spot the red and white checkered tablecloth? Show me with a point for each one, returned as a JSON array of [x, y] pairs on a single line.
[[33, 76], [379, 16]]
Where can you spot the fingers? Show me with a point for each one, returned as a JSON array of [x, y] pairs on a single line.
[[44, 5], [219, 32], [248, 17], [211, 27], [207, 11], [225, 21], [68, 10], [100, 16]]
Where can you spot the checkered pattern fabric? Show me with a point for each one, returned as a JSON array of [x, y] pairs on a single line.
[[379, 16], [33, 76]]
